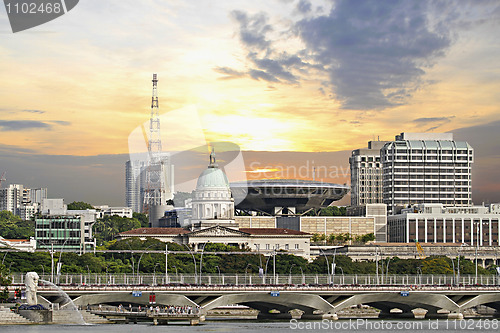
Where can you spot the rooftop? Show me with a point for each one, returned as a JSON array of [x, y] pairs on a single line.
[[156, 231]]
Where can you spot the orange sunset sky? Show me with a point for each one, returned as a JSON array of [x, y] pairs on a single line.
[[289, 75]]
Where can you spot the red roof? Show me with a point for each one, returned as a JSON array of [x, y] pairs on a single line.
[[156, 231], [272, 231]]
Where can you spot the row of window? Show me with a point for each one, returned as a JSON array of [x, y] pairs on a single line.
[[276, 247]]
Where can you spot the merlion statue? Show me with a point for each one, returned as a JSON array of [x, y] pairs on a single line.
[[31, 287]]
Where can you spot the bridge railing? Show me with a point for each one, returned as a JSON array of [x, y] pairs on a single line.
[[254, 279]]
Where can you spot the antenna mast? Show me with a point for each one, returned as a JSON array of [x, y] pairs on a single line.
[[155, 187]]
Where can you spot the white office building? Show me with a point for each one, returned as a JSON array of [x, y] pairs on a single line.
[[435, 223], [366, 174], [426, 168]]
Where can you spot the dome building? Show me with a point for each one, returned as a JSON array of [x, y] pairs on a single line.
[[212, 203]]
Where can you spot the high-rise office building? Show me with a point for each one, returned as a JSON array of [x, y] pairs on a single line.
[[366, 174], [135, 181], [11, 198], [426, 168]]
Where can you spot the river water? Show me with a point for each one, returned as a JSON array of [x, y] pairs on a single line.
[[247, 326]]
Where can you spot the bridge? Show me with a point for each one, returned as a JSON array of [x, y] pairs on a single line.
[[317, 296]]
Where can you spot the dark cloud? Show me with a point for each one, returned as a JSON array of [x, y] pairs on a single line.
[[304, 6], [375, 51], [229, 72], [253, 29], [21, 125], [264, 61], [436, 122], [61, 122], [34, 111]]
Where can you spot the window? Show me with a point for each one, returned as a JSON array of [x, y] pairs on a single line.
[[286, 247], [257, 247], [277, 247], [267, 246], [296, 246]]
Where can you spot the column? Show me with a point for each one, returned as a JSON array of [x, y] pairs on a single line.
[[444, 229], [453, 230], [490, 233], [425, 230]]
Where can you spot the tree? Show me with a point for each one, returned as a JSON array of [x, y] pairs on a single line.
[[143, 218], [108, 227], [333, 211], [5, 279], [12, 227], [79, 205]]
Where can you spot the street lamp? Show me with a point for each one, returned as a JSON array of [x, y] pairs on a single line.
[[201, 258], [218, 269], [139, 262], [290, 274], [154, 273], [88, 270], [327, 265], [343, 277], [176, 273], [194, 261], [43, 269], [246, 272]]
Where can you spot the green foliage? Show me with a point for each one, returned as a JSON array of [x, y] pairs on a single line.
[[333, 211], [5, 279], [79, 205], [143, 218], [4, 295], [108, 227], [12, 227]]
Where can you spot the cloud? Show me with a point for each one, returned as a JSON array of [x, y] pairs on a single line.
[[34, 111], [435, 121], [229, 73], [375, 52], [21, 125], [265, 62], [304, 6]]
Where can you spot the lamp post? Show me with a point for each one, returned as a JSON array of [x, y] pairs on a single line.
[[88, 271], [140, 258], [194, 261], [343, 277], [218, 269], [290, 274], [376, 263], [201, 259], [176, 273], [246, 272], [458, 264], [327, 265], [154, 273]]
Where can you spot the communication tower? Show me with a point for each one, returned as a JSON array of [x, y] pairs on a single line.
[[154, 194]]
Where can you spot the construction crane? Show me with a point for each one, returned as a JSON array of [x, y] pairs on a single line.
[[2, 178], [420, 250]]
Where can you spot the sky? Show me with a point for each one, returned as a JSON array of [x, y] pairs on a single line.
[[283, 76]]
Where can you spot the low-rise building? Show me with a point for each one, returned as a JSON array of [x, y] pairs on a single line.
[[110, 211], [261, 240], [435, 223], [62, 229]]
